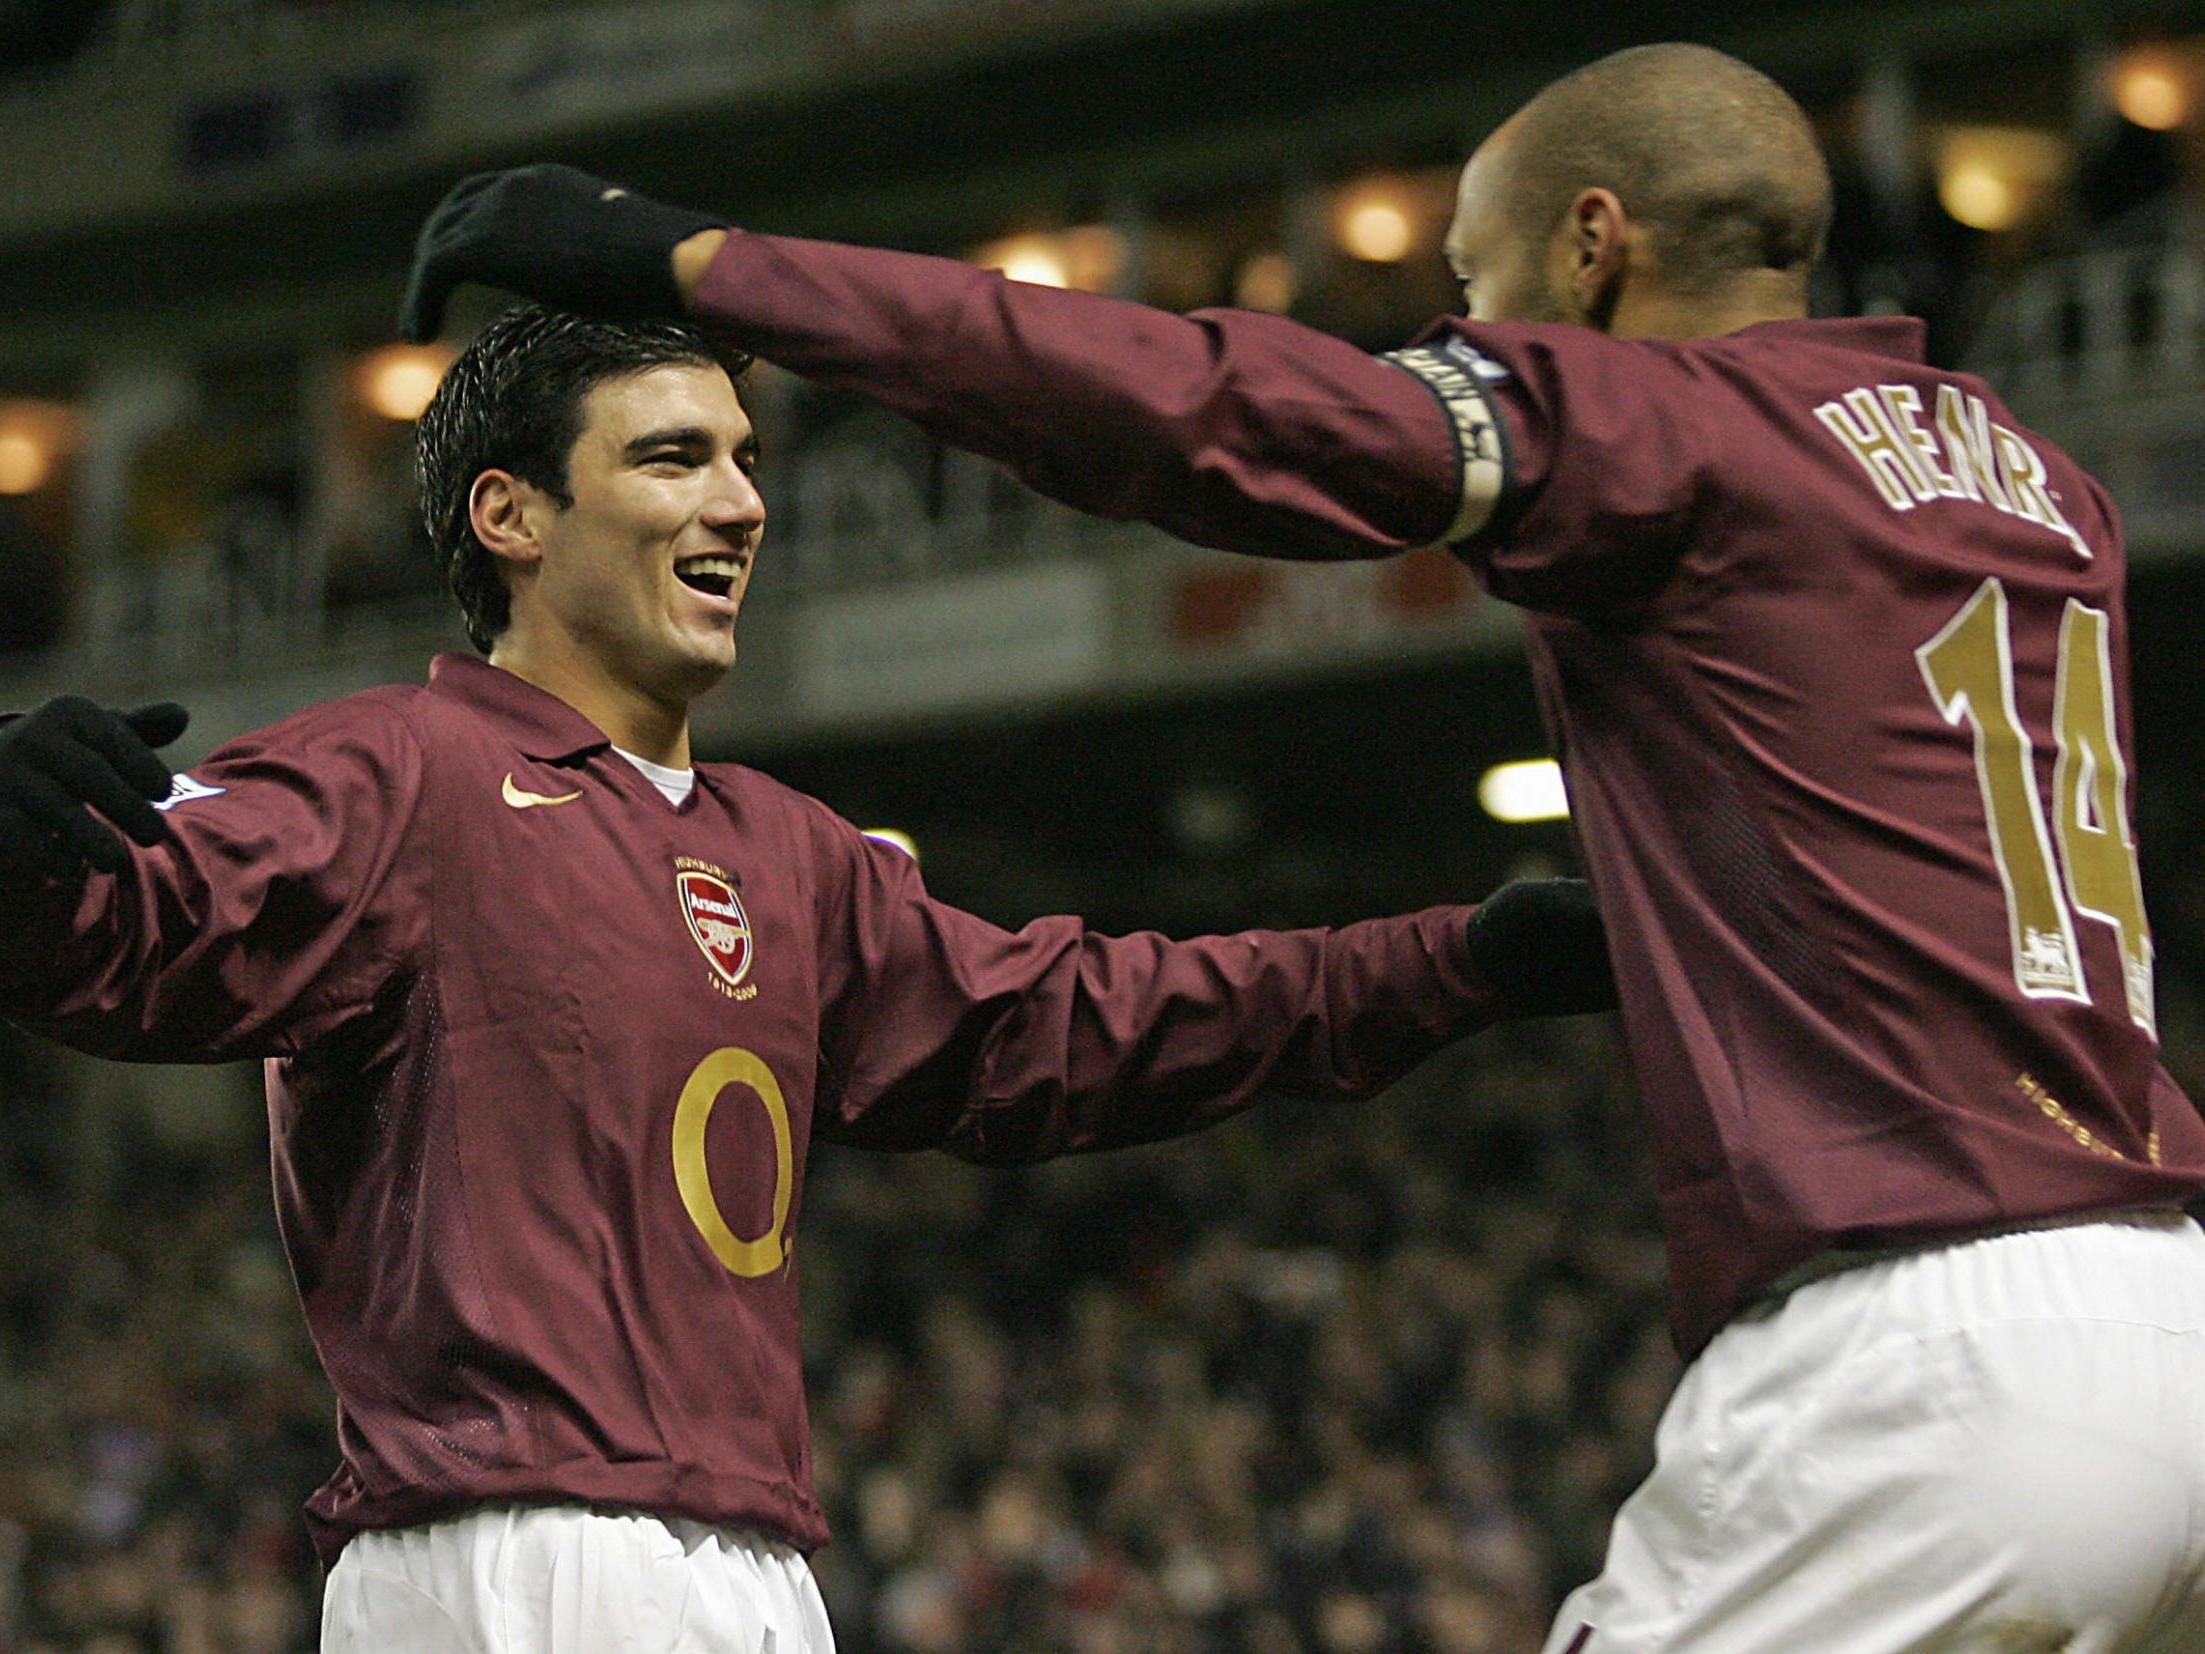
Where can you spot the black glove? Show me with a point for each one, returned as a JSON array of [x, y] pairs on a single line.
[[65, 760], [552, 234], [1542, 944]]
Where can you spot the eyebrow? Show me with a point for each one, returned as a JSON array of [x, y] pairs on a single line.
[[690, 438]]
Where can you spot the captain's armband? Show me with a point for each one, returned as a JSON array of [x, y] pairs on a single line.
[[1449, 371]]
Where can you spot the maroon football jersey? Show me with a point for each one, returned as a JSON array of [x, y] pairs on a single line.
[[547, 1056], [1831, 648]]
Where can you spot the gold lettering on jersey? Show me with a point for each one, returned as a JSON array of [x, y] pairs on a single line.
[[2056, 1111], [1904, 405], [1477, 431], [1858, 420], [693, 1178], [1969, 669], [1965, 424], [1960, 455], [2090, 793], [2030, 487]]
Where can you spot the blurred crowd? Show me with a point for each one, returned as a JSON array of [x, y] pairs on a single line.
[[1350, 1378], [161, 1413]]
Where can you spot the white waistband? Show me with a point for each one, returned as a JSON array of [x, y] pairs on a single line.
[[1838, 1260]]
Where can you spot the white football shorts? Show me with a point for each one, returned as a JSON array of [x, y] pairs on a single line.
[[1995, 1446], [565, 1579]]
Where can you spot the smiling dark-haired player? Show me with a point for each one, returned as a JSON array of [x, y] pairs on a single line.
[[1834, 654], [553, 1017]]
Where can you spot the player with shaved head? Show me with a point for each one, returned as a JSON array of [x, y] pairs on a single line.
[[1833, 652], [1709, 161]]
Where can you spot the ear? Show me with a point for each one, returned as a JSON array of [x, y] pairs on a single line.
[[504, 512], [1596, 240]]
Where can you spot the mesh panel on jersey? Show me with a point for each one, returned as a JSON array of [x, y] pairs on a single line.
[[1736, 854], [1737, 862], [1732, 857]]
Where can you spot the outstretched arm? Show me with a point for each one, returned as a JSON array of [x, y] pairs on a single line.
[[248, 917], [941, 1030], [1226, 427]]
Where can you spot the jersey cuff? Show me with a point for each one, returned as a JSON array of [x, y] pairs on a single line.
[[1481, 444]]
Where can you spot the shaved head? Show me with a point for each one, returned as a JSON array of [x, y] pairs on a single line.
[[1710, 152], [1710, 158]]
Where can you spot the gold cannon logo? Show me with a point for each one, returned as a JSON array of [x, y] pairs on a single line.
[[716, 919]]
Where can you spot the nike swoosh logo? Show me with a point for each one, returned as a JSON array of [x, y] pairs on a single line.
[[528, 801]]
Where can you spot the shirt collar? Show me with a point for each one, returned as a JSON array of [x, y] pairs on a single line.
[[1903, 337], [539, 723]]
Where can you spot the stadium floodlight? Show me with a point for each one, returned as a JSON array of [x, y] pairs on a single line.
[[34, 436], [1977, 197], [894, 836], [1265, 282], [1086, 256], [2152, 89], [1375, 221], [397, 381], [1993, 177], [24, 462], [1527, 791], [1033, 258]]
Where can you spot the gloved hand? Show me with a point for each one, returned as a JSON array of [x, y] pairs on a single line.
[[65, 760], [552, 234], [1542, 944]]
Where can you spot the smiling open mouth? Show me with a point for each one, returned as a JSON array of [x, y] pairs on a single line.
[[713, 576]]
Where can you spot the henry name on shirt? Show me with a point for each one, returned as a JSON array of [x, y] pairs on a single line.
[[1965, 457]]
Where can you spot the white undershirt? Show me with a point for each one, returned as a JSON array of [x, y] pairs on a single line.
[[677, 785]]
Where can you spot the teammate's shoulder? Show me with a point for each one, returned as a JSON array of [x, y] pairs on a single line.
[[754, 789], [742, 779], [1534, 357], [1487, 348], [1807, 353], [826, 831], [760, 796], [363, 739], [384, 712]]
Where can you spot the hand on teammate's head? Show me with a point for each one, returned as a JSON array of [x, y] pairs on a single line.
[[70, 758], [554, 234]]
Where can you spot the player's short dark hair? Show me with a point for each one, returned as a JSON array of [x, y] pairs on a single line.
[[1711, 154], [513, 402]]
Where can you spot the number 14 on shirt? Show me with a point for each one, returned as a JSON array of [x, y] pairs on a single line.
[[1969, 667]]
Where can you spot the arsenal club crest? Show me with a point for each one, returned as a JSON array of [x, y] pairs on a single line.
[[716, 920]]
